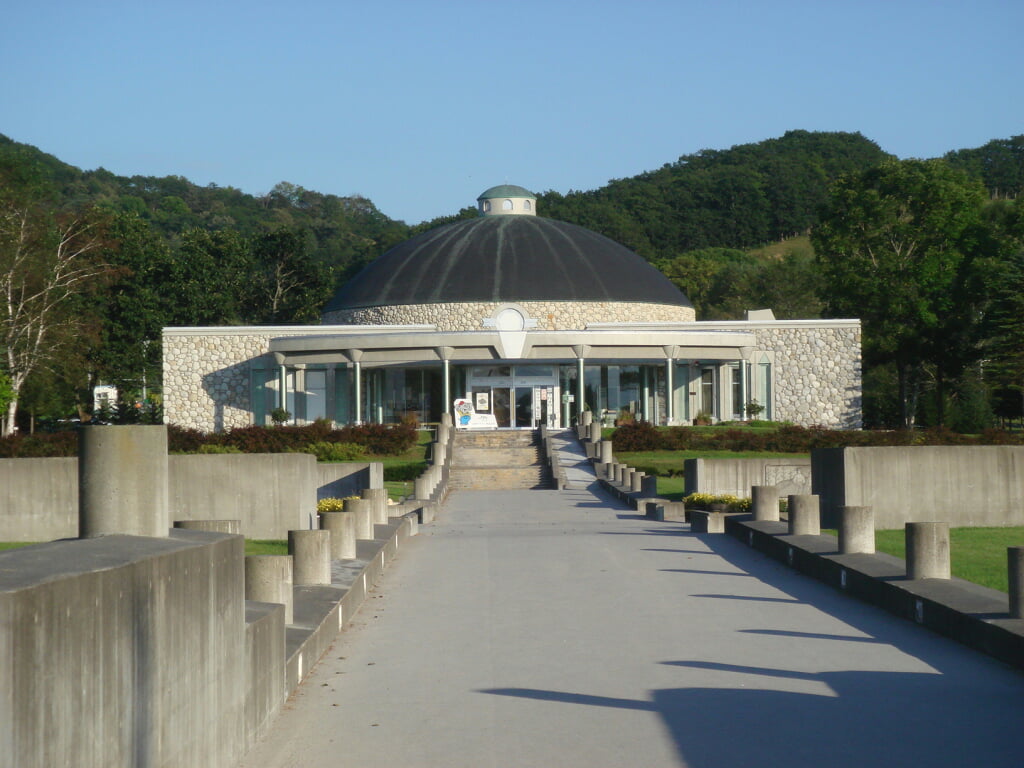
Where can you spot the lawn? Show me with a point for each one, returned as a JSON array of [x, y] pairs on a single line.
[[266, 547], [666, 463], [976, 554]]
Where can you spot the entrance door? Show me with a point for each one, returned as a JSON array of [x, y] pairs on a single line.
[[524, 407], [501, 406]]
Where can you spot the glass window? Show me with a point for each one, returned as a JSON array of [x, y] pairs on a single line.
[[507, 205]]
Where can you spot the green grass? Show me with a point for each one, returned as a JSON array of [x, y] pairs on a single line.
[[266, 547], [666, 463], [671, 488], [975, 554], [15, 544]]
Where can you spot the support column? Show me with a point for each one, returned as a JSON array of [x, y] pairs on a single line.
[[581, 351], [927, 550], [671, 351], [765, 502], [123, 481], [355, 355], [804, 515], [856, 530], [282, 387]]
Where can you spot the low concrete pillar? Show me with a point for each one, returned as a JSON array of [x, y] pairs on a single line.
[[342, 527], [636, 481], [607, 456], [611, 471], [765, 504], [649, 486], [215, 526], [444, 433], [804, 515], [587, 418], [423, 486], [378, 498], [268, 579], [671, 511], [311, 555], [446, 418], [927, 550], [362, 511], [1015, 576], [438, 453], [122, 481], [621, 473], [856, 530], [702, 521]]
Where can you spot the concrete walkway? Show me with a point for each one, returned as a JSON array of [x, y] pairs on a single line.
[[545, 628]]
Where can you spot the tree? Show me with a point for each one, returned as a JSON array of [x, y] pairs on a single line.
[[288, 284], [47, 261], [897, 245]]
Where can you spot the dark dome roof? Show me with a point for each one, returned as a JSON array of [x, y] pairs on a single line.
[[506, 258]]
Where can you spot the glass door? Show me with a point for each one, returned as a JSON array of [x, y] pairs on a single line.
[[501, 406]]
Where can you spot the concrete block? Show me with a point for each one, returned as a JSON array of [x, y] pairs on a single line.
[[702, 521], [214, 526]]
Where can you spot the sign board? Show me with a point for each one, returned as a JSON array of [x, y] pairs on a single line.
[[466, 417]]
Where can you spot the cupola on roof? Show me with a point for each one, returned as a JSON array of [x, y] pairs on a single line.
[[507, 200]]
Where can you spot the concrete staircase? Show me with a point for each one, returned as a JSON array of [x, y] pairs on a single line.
[[508, 459]]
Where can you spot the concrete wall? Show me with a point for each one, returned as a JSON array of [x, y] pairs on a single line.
[[38, 499], [736, 476], [336, 481], [123, 650], [961, 485], [270, 493]]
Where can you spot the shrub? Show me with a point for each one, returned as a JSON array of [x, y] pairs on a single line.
[[333, 504], [636, 436], [403, 473], [325, 451], [214, 448]]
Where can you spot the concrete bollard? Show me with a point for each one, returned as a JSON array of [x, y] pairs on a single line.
[[268, 579], [342, 526], [438, 453], [378, 498], [423, 486], [804, 515], [587, 418], [215, 526], [446, 419], [122, 481], [1015, 574], [444, 433], [606, 452], [927, 550], [362, 511], [649, 486], [612, 468], [856, 530], [636, 481], [311, 555], [765, 504]]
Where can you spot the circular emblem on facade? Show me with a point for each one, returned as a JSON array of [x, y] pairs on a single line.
[[510, 319]]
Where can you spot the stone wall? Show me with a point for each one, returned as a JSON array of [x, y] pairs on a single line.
[[550, 315], [817, 370]]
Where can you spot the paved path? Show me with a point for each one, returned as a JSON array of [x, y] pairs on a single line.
[[546, 628]]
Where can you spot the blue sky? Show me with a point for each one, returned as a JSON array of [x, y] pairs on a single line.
[[420, 106]]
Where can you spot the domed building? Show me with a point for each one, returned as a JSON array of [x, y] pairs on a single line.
[[530, 320]]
